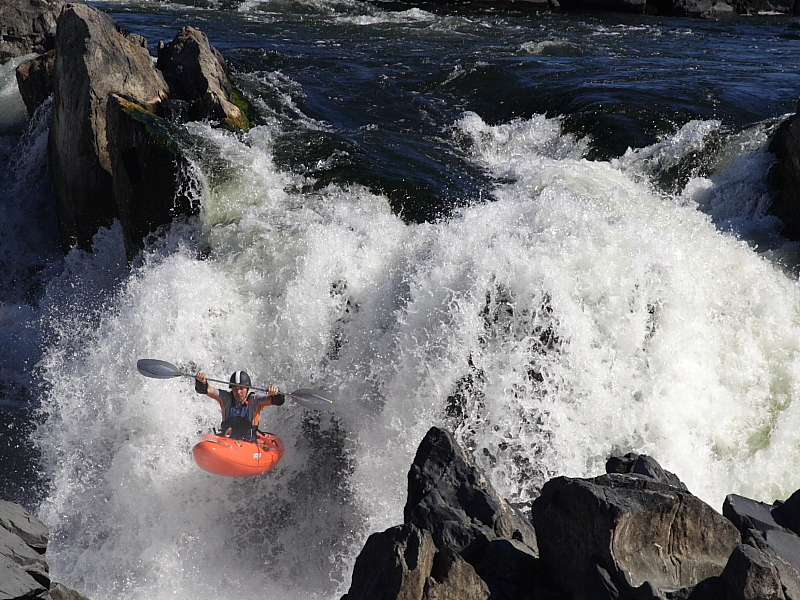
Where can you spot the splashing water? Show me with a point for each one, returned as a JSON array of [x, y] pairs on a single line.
[[580, 312]]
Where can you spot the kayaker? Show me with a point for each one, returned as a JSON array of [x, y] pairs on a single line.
[[241, 407]]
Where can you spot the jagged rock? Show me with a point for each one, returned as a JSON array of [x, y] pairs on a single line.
[[394, 564], [23, 540], [642, 464], [35, 80], [461, 539], [61, 592], [27, 26], [93, 60], [21, 523], [453, 578], [748, 514], [785, 145], [24, 573], [769, 559], [146, 164], [628, 536], [451, 498], [750, 575], [788, 513], [196, 74]]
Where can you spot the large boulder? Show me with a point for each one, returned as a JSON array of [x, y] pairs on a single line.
[[450, 497], [403, 563], [628, 536], [24, 573], [94, 59], [146, 163], [767, 564], [35, 80], [196, 74], [27, 26], [460, 539], [785, 145]]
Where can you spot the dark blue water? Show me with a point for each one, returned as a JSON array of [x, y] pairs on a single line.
[[386, 82]]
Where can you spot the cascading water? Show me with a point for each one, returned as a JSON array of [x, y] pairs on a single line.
[[586, 307]]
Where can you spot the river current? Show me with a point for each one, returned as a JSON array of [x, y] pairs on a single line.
[[544, 232]]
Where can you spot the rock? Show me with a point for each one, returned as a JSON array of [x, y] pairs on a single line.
[[93, 60], [785, 7], [628, 536], [61, 592], [35, 80], [642, 464], [453, 578], [747, 514], [196, 74], [785, 175], [451, 498], [460, 538], [23, 541], [750, 575], [628, 6], [21, 523], [508, 566], [146, 164], [27, 26], [394, 564], [24, 573], [769, 559], [705, 9], [788, 513]]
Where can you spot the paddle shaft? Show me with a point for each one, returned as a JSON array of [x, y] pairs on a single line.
[[160, 369], [252, 387]]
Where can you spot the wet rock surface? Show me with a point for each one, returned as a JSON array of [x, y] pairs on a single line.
[[24, 573], [634, 533]]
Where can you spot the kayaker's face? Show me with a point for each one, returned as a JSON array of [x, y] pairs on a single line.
[[239, 393]]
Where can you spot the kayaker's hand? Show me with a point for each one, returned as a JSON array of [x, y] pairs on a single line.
[[272, 390], [200, 383]]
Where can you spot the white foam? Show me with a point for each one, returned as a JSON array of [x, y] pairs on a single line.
[[577, 314]]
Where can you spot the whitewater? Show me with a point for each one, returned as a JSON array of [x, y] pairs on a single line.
[[581, 308]]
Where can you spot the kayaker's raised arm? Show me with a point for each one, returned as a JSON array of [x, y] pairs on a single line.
[[201, 386]]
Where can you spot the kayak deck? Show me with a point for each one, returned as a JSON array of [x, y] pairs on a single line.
[[238, 458]]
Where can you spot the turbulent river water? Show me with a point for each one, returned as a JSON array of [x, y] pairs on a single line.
[[544, 232]]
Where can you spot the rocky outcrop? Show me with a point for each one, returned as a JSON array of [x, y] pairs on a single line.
[[785, 145], [196, 74], [628, 535], [460, 539], [146, 164], [94, 59], [635, 533], [451, 498], [35, 80], [27, 27], [113, 155], [767, 564], [24, 573]]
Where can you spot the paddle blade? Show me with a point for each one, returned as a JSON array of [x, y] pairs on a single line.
[[158, 369], [311, 399]]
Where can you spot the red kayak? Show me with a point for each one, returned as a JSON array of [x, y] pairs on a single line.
[[238, 458]]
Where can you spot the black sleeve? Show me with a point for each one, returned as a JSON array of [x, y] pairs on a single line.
[[278, 400]]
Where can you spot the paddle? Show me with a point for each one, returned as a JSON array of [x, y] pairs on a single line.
[[159, 369]]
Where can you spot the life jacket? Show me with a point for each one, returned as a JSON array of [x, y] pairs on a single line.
[[238, 410]]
